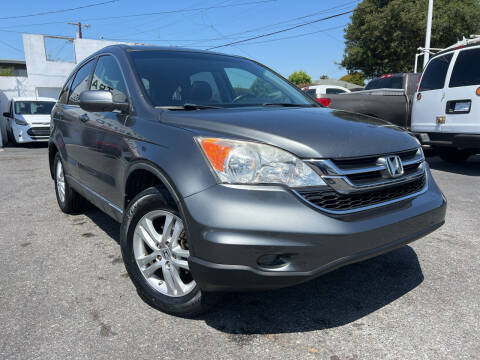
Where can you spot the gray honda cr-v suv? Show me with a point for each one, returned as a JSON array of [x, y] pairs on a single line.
[[226, 177]]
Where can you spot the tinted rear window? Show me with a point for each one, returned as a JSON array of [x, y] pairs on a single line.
[[435, 73], [392, 82], [467, 70], [335, 91]]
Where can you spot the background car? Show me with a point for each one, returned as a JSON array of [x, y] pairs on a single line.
[[446, 111], [28, 119]]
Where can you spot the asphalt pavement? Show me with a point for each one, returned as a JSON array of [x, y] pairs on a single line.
[[65, 294]]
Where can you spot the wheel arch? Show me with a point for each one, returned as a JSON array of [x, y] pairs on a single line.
[[52, 151], [154, 177]]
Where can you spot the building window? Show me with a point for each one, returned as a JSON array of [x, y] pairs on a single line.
[[59, 49]]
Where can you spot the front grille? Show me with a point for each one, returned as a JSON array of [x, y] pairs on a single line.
[[345, 164], [39, 131], [369, 176], [358, 183], [331, 200]]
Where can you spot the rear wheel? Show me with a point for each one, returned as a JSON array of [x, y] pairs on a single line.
[[68, 200], [155, 251], [453, 155]]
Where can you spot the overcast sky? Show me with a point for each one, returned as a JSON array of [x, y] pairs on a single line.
[[314, 48]]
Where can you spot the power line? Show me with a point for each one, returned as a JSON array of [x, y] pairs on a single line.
[[11, 46], [298, 35], [281, 31], [235, 36], [58, 11], [141, 14]]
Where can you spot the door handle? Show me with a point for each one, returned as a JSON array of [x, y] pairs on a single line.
[[84, 118]]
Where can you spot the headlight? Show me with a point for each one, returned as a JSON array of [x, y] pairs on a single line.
[[21, 122], [244, 162]]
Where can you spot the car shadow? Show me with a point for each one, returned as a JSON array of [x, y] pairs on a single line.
[[104, 222], [469, 168], [32, 145], [338, 298], [335, 299]]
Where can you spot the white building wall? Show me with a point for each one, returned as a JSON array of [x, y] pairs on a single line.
[[45, 78]]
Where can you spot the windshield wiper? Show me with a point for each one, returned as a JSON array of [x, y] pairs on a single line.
[[286, 105], [188, 106]]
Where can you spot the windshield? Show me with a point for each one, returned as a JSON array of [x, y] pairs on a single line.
[[176, 78], [33, 107]]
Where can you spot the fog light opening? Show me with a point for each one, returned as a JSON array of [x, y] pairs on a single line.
[[273, 261]]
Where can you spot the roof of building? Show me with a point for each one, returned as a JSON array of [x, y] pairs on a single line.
[[11, 61]]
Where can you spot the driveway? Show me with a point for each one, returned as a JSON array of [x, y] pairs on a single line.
[[65, 294]]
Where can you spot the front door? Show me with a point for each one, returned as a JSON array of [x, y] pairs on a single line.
[[104, 143]]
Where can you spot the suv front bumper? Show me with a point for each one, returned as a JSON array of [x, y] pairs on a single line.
[[233, 227]]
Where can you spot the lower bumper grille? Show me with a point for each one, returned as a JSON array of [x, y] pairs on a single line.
[[335, 202], [39, 131]]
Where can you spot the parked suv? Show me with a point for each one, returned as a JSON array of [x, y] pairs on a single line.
[[227, 177], [28, 119], [446, 112]]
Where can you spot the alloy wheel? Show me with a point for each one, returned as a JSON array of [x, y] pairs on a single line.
[[60, 180], [161, 252]]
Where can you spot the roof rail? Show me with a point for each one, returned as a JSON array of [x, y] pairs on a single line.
[[472, 40]]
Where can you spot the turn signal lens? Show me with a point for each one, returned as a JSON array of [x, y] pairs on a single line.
[[419, 96], [216, 152], [478, 91]]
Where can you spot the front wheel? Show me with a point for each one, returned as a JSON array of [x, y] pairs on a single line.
[[155, 251], [453, 155]]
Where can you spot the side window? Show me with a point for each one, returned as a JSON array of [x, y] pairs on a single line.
[[466, 71], [200, 80], [434, 75], [248, 85], [63, 97], [108, 77], [80, 83], [11, 108], [334, 91]]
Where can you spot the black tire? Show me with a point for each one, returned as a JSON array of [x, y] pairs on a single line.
[[151, 199], [72, 202], [452, 155], [10, 137]]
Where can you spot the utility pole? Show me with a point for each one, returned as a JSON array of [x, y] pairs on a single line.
[[79, 24], [426, 56]]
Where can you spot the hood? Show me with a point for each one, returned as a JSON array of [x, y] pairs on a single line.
[[306, 132], [35, 119]]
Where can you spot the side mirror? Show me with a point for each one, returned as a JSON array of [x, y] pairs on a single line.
[[7, 114], [99, 101]]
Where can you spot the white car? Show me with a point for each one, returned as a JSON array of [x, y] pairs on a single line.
[[446, 106], [317, 91], [28, 119]]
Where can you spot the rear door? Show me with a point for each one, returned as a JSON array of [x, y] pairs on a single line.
[[462, 104], [429, 107]]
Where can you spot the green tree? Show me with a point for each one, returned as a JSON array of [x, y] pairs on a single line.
[[300, 77], [355, 77], [384, 35], [324, 77], [6, 71]]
